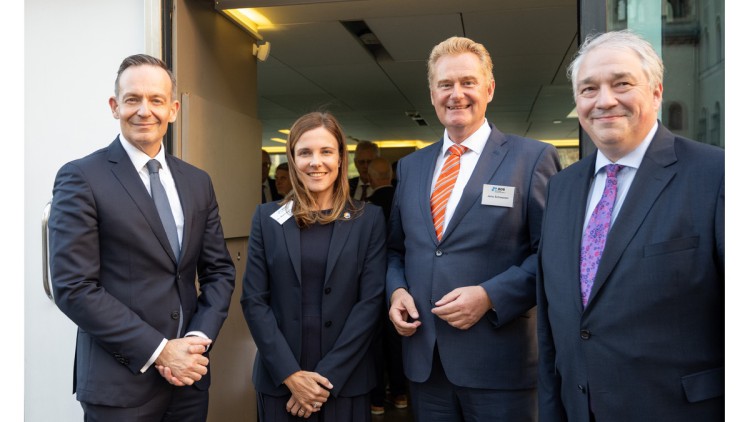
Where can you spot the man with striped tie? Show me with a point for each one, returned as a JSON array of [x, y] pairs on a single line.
[[465, 227]]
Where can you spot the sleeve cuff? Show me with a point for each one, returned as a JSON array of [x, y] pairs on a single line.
[[156, 354]]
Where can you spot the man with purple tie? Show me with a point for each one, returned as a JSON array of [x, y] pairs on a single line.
[[631, 262]]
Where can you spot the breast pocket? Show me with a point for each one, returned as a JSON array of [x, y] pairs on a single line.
[[671, 246]]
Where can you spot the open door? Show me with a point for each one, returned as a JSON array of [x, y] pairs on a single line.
[[218, 131]]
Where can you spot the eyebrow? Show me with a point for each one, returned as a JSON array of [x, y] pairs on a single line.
[[615, 75]]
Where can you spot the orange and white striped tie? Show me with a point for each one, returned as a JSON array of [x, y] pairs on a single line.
[[444, 187]]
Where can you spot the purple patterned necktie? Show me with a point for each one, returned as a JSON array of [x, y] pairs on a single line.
[[595, 236]]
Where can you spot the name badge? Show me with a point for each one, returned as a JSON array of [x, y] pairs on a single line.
[[498, 196], [282, 214]]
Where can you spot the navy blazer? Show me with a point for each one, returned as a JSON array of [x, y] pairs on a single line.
[[490, 246], [352, 300], [649, 346], [115, 276]]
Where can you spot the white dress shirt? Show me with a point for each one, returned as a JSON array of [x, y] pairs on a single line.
[[475, 144], [625, 177], [358, 190], [139, 160]]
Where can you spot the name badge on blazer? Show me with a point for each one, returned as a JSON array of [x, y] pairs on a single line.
[[498, 196], [282, 214]]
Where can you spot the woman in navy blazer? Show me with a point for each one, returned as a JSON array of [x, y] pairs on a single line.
[[313, 289]]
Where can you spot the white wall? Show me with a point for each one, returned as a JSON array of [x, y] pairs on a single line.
[[72, 51]]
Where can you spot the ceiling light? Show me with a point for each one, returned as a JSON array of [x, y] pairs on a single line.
[[250, 20], [279, 140], [573, 114], [284, 131]]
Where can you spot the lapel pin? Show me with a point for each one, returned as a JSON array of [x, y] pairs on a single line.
[[347, 216]]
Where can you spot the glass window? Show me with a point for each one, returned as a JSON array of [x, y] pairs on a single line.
[[688, 36]]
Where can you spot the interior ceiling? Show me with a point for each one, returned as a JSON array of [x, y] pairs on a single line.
[[316, 63]]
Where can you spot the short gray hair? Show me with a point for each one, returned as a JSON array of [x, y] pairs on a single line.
[[651, 62]]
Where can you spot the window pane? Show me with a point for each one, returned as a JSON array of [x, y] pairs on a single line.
[[688, 36]]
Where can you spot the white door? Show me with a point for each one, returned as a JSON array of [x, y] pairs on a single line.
[[72, 51]]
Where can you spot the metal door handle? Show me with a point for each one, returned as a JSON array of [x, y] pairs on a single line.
[[45, 251]]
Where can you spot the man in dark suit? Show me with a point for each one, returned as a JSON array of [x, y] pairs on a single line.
[[631, 277], [268, 190], [387, 344], [130, 229], [380, 175], [359, 187], [462, 258]]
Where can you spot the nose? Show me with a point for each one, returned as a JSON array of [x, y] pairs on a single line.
[[457, 91], [606, 98], [143, 108], [314, 159]]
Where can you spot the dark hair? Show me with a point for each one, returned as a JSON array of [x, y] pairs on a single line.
[[141, 60], [367, 145]]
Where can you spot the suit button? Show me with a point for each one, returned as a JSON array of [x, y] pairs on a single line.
[[328, 324], [582, 389], [438, 252], [585, 334], [327, 290], [175, 315]]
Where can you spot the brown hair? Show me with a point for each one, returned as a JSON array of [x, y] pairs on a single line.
[[305, 209]]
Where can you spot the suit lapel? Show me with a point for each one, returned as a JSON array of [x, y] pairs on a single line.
[[493, 154], [126, 174], [186, 199], [341, 230], [291, 236], [576, 202], [653, 176], [426, 171]]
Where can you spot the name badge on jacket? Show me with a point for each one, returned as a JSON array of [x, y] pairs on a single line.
[[284, 213], [498, 196]]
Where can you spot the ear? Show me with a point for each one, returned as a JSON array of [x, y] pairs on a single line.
[[658, 96], [114, 107], [491, 90], [173, 109]]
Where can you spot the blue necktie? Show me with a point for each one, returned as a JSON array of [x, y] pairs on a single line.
[[159, 195]]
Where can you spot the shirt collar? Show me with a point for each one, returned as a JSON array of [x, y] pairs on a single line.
[[633, 159], [140, 158], [475, 142]]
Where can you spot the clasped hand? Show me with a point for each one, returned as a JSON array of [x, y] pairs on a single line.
[[181, 362], [461, 308], [309, 392]]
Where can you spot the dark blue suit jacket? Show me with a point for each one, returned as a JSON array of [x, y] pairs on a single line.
[[352, 300], [115, 276], [649, 346], [491, 246]]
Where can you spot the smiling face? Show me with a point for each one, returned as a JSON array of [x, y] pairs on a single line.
[[317, 160], [615, 103], [460, 91], [144, 106]]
